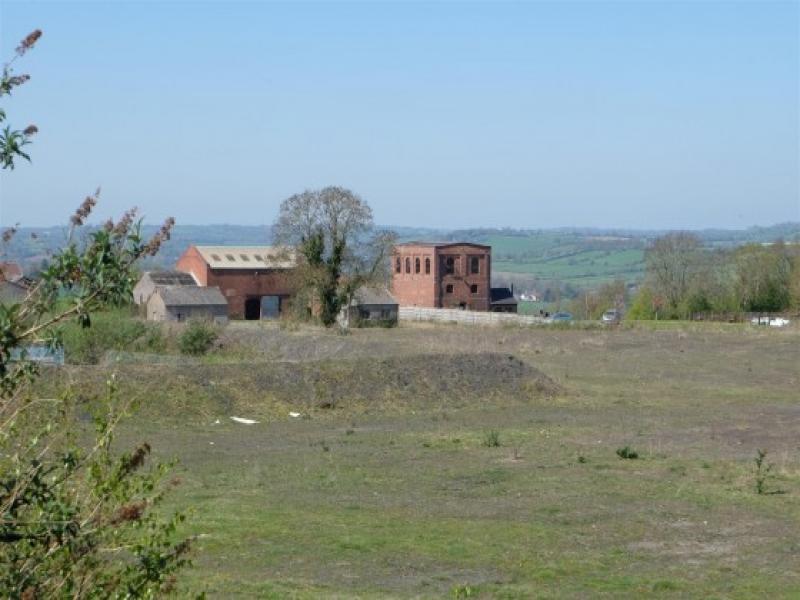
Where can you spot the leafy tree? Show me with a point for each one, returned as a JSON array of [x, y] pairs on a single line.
[[644, 305], [77, 519], [333, 231], [763, 277]]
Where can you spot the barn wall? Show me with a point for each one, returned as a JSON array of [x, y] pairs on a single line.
[[143, 290], [156, 311], [216, 313], [237, 285]]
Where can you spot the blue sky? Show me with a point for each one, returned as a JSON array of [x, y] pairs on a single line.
[[630, 114]]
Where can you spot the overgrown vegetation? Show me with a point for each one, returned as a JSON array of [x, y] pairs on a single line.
[[627, 452], [198, 337], [492, 439], [114, 328], [683, 278], [333, 231], [762, 471], [77, 518]]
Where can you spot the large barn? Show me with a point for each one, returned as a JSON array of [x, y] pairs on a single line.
[[255, 280]]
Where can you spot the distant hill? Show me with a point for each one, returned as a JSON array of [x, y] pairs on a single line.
[[578, 257]]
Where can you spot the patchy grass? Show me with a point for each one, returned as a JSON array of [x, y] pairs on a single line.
[[386, 485]]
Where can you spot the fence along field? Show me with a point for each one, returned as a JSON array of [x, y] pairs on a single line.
[[468, 317]]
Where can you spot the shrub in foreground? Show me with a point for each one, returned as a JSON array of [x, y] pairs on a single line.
[[198, 338]]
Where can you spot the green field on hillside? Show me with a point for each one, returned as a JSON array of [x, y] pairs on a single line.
[[459, 462], [578, 260]]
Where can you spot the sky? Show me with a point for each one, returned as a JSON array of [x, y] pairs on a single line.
[[630, 114]]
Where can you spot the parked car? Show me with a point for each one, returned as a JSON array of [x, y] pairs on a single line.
[[561, 316], [771, 321], [612, 315]]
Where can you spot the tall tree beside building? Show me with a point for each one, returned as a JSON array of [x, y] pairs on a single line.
[[334, 232]]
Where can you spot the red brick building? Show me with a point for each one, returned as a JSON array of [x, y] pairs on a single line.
[[442, 275], [255, 280]]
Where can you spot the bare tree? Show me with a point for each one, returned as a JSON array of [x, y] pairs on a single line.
[[333, 231], [671, 261]]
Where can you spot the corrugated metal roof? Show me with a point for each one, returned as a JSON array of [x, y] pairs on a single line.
[[170, 278], [371, 295], [187, 295], [248, 257]]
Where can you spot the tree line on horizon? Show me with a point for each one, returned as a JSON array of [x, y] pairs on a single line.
[[683, 278]]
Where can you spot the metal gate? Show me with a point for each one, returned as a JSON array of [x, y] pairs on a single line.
[[270, 307]]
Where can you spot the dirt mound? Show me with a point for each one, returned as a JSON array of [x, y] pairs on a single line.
[[187, 391], [452, 377]]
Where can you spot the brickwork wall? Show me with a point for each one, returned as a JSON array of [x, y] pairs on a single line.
[[462, 278], [430, 289], [191, 262], [414, 289], [237, 285]]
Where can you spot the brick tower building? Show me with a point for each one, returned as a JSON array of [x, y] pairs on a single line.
[[442, 275]]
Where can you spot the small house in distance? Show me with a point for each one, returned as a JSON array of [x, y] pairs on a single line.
[[151, 279], [503, 300], [371, 306], [255, 280], [181, 303]]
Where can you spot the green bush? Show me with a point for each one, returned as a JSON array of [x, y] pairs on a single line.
[[198, 338], [492, 439], [627, 452], [113, 329]]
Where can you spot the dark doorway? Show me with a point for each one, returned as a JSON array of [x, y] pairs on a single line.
[[252, 309]]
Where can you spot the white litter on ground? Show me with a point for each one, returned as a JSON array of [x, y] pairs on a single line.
[[294, 414], [244, 421], [216, 422]]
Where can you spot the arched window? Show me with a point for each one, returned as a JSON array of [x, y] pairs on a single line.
[[427, 266], [474, 265], [408, 265], [398, 265], [416, 265], [449, 265]]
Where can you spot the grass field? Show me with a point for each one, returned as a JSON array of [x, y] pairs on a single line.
[[581, 260], [468, 462]]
